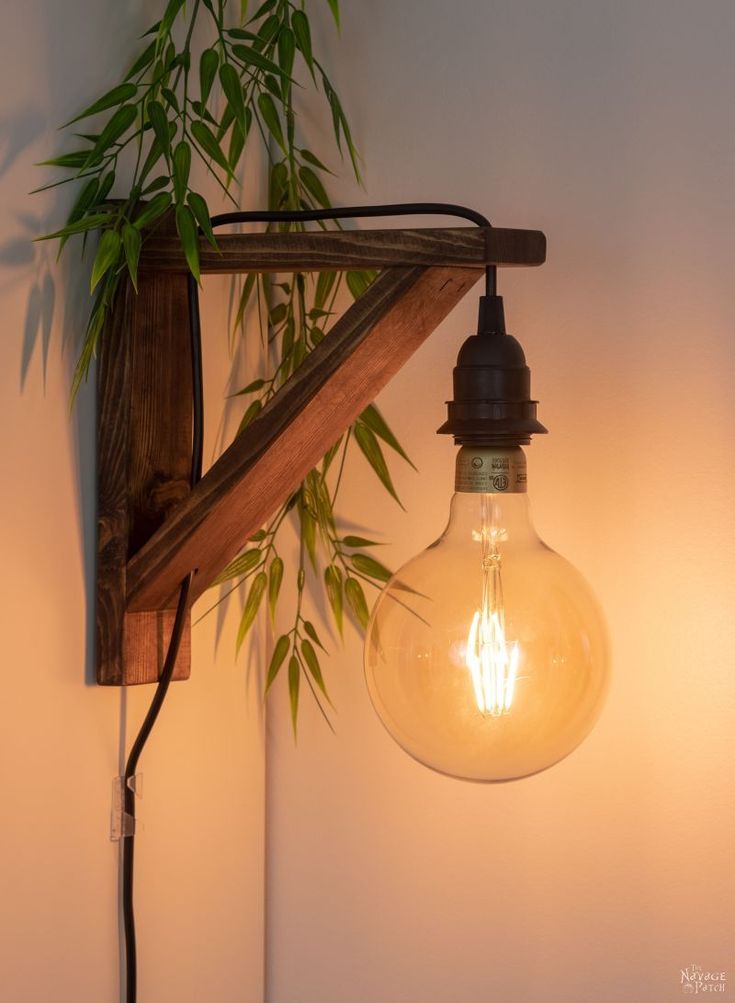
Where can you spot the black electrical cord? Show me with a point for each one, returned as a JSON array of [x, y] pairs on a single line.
[[364, 212], [128, 849], [265, 216]]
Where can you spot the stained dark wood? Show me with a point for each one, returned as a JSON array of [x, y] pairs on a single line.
[[144, 450], [257, 473], [351, 249]]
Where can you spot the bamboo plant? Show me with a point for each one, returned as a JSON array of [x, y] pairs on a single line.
[[211, 79]]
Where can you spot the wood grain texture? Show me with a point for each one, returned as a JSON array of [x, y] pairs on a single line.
[[258, 472], [351, 249], [144, 455], [113, 426]]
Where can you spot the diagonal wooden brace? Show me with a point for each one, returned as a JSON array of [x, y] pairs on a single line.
[[152, 530]]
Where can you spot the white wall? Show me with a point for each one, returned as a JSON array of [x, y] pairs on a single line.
[[609, 126], [200, 857]]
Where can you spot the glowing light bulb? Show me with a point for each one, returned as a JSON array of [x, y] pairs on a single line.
[[486, 655]]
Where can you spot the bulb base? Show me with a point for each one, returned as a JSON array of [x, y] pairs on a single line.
[[492, 402], [490, 470]]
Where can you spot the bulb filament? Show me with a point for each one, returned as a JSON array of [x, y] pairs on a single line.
[[490, 659]]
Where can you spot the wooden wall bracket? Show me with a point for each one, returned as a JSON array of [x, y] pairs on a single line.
[[152, 529]]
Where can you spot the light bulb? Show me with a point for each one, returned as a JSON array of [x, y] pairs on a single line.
[[486, 655]]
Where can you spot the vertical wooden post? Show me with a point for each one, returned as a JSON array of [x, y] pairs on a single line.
[[143, 465]]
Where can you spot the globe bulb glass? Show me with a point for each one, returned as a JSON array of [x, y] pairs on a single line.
[[486, 655]]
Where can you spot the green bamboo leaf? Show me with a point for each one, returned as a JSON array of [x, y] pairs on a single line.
[[245, 295], [333, 582], [325, 284], [241, 33], [341, 125], [312, 664], [152, 157], [275, 577], [160, 182], [299, 353], [370, 447], [92, 222], [75, 160], [91, 338], [278, 186], [308, 532], [85, 200], [241, 566], [118, 95], [370, 567], [294, 677], [377, 424], [277, 659], [266, 6], [232, 87], [108, 252], [243, 10], [155, 208], [286, 50], [334, 7], [311, 631], [314, 186], [357, 602], [274, 87], [268, 28], [271, 119], [131, 244], [259, 536], [250, 388], [207, 141], [182, 166], [144, 60], [187, 230], [252, 603], [250, 415], [252, 57], [237, 142], [106, 184], [277, 313], [359, 282], [208, 64], [302, 33], [171, 100], [203, 112], [159, 123], [115, 128], [199, 207], [330, 455], [359, 541], [226, 119], [172, 9], [309, 157]]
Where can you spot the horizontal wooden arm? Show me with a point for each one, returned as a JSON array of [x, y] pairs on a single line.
[[267, 462], [340, 250]]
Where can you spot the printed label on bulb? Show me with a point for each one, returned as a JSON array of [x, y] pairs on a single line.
[[483, 470]]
